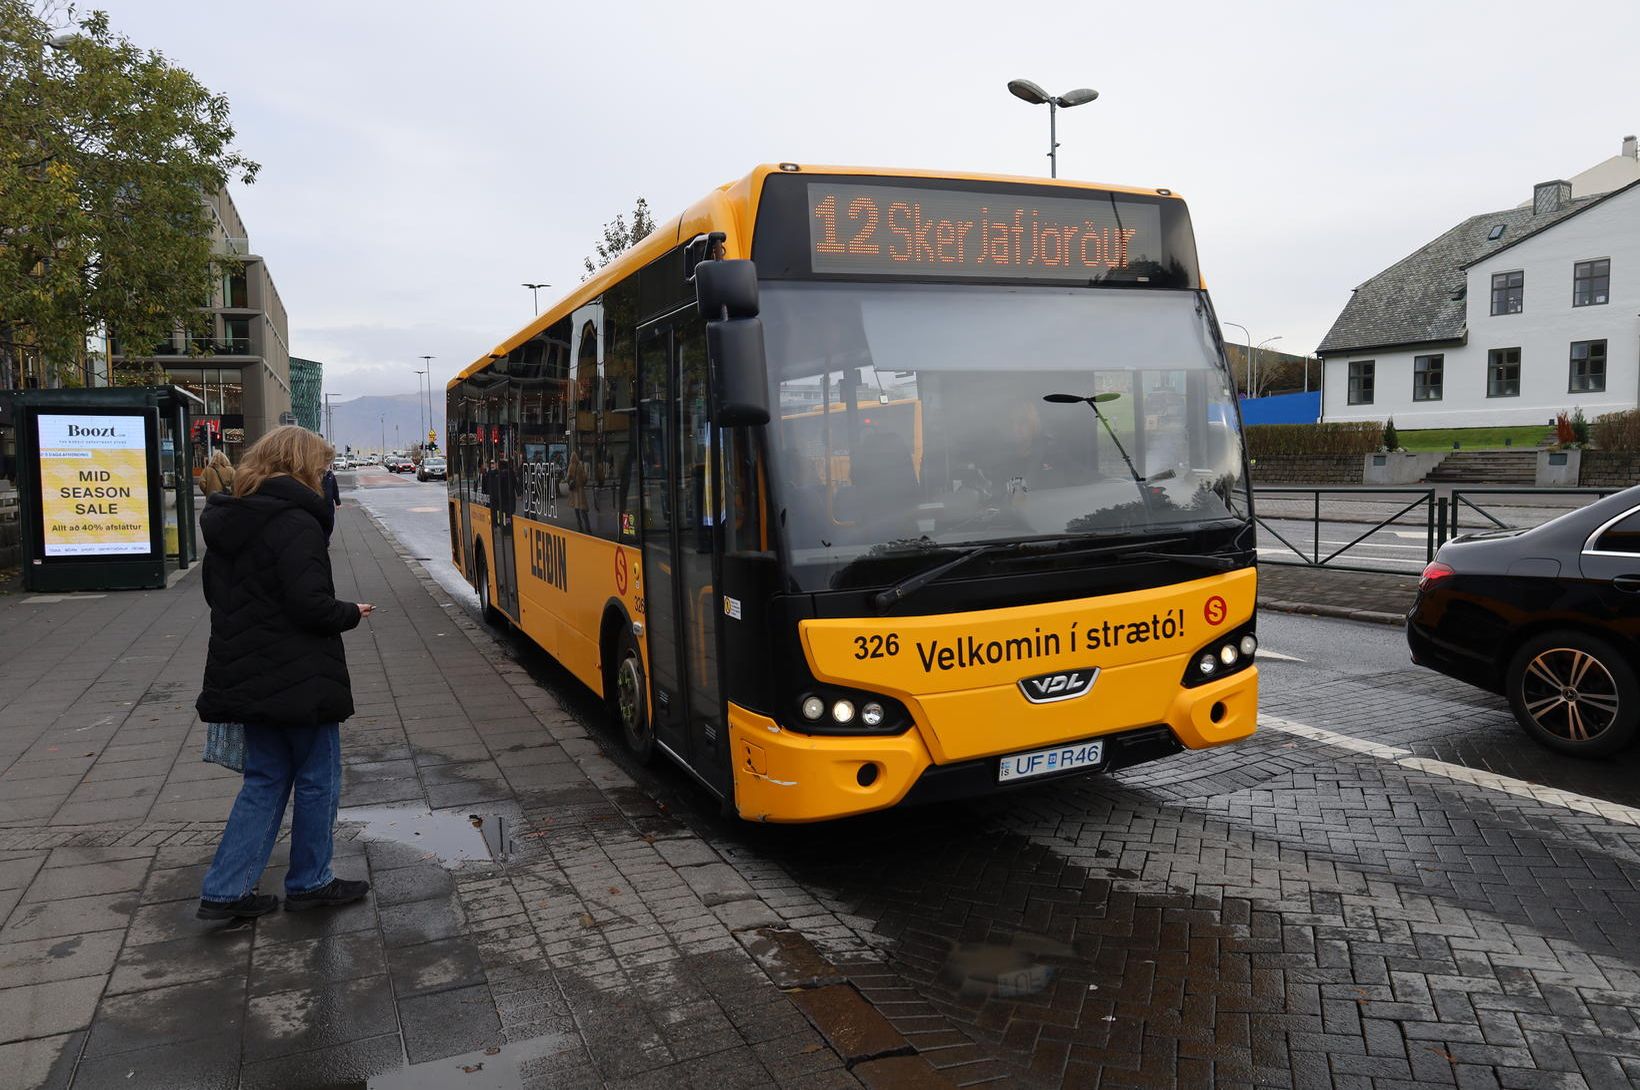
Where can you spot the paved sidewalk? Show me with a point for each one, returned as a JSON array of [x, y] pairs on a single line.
[[536, 920]]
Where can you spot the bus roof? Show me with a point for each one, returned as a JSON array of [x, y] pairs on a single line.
[[734, 205]]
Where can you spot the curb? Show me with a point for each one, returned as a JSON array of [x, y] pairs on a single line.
[[1343, 613]]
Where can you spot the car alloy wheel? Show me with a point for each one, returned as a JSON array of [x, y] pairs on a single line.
[[1570, 693], [1574, 692]]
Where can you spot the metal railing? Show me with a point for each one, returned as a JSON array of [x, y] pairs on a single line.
[[1357, 519]]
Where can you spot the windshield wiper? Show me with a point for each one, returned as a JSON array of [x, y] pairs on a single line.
[[1194, 560], [913, 583]]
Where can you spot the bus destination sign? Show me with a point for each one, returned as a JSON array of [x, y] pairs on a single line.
[[900, 230]]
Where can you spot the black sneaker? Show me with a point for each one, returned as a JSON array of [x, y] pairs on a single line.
[[340, 891], [247, 907]]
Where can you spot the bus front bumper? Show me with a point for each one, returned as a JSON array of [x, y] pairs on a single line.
[[787, 776]]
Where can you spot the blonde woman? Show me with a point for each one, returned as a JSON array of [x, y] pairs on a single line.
[[217, 475], [277, 666]]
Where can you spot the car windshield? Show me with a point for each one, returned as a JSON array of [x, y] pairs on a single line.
[[915, 416]]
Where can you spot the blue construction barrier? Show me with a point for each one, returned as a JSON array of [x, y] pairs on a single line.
[[1282, 409]]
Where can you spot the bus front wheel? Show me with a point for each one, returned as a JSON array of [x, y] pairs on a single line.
[[629, 698]]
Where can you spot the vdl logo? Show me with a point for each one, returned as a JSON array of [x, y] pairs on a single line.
[[1063, 685]]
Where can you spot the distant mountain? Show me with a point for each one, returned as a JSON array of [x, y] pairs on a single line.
[[363, 421]]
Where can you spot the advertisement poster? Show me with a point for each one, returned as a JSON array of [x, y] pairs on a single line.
[[94, 485]]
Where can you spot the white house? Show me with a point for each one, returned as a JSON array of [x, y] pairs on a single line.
[[1508, 318]]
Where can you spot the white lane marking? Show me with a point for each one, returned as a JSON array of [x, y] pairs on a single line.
[[1266, 653], [1551, 796]]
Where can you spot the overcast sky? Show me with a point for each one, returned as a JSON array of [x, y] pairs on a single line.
[[421, 160]]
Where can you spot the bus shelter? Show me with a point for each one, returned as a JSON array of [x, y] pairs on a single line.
[[106, 485]]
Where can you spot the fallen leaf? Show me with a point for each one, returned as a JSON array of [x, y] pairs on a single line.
[[614, 891], [471, 1069], [492, 1051], [813, 1046], [587, 920]]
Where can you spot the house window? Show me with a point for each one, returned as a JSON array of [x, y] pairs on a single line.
[[1361, 373], [1427, 372], [1503, 372], [1508, 292], [1588, 368], [1591, 282]]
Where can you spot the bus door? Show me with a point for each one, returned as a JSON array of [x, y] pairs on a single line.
[[680, 594], [499, 481]]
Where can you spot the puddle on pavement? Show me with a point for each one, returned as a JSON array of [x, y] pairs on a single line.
[[450, 837], [1005, 970], [501, 1068]]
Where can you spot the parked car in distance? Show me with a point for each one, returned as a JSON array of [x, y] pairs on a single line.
[[431, 469], [339, 465], [1549, 618]]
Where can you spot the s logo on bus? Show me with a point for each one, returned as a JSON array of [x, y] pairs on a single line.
[[1215, 611], [1063, 685]]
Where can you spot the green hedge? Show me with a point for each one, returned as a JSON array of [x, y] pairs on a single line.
[[1617, 431], [1360, 437]]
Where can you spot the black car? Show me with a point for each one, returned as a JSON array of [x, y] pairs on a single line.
[[1549, 618]]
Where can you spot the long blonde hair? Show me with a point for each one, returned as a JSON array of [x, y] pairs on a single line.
[[288, 450]]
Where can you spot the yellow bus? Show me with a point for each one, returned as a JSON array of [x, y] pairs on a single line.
[[852, 488]]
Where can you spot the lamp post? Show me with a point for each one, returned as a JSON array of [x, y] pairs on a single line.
[[1261, 344], [383, 418], [1247, 361], [535, 298], [421, 428], [427, 361], [1036, 96]]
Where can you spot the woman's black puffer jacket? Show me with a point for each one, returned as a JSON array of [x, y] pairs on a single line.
[[276, 654]]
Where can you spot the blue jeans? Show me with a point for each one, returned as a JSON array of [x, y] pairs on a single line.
[[279, 760]]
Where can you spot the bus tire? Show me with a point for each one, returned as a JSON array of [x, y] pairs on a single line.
[[628, 697]]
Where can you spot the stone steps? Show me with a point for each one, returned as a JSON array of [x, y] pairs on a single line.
[[1501, 467]]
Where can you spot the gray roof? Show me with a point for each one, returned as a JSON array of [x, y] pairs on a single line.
[[1419, 299]]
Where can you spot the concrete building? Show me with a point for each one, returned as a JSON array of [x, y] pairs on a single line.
[[1507, 319], [241, 370]]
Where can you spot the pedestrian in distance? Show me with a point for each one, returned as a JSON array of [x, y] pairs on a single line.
[[578, 491], [276, 665], [332, 491], [217, 475]]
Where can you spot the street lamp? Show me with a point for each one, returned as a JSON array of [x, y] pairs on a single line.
[[534, 297], [421, 428], [383, 418], [1247, 362], [1036, 96], [1261, 344], [427, 361]]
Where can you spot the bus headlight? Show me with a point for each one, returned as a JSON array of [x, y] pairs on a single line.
[[813, 708], [872, 714], [1229, 653], [843, 711]]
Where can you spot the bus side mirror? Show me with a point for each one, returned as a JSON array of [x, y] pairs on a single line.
[[724, 285], [740, 373]]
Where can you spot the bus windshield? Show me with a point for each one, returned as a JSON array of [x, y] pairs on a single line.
[[913, 416]]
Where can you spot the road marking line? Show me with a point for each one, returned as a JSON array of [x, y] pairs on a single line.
[[1266, 653], [1551, 796]]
